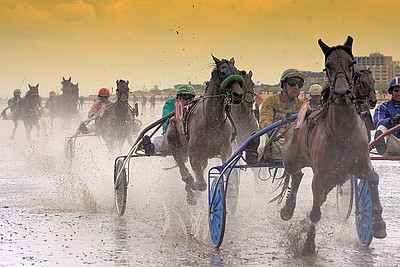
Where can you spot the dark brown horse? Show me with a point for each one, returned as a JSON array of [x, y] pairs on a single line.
[[333, 142], [209, 131], [29, 111], [365, 96], [117, 124], [243, 114]]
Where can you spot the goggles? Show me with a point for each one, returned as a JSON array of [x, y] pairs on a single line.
[[293, 81], [186, 97]]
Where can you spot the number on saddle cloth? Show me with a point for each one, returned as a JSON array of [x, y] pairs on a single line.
[[182, 112]]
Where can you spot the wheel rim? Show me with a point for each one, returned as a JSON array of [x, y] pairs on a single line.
[[217, 213], [121, 190], [364, 214]]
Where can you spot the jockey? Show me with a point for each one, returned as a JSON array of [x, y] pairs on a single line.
[[101, 104], [187, 93], [12, 102], [386, 116], [96, 111], [50, 103], [273, 109], [315, 94]]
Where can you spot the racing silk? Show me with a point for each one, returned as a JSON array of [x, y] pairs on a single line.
[[384, 112], [167, 109], [275, 108], [98, 108], [12, 103]]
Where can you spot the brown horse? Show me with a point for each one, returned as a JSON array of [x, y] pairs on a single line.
[[243, 114], [209, 131], [333, 142], [29, 111], [365, 96], [67, 104], [117, 124]]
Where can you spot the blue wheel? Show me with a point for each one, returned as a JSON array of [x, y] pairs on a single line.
[[217, 212], [120, 187], [363, 213]]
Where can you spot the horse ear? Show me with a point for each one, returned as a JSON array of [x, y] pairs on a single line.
[[216, 60], [69, 78], [63, 79], [37, 85], [250, 74], [323, 46], [127, 82], [232, 60], [349, 42]]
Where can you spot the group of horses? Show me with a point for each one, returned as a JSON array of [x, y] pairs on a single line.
[[333, 140]]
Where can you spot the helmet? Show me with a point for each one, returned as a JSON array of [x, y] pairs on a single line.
[[104, 92], [393, 83], [315, 89], [17, 92], [292, 73], [186, 89], [52, 94]]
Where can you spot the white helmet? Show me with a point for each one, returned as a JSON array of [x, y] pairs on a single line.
[[315, 89]]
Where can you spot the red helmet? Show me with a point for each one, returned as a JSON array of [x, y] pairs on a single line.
[[104, 92], [52, 94]]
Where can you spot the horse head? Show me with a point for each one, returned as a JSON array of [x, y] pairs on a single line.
[[228, 79], [33, 92], [339, 68], [248, 89], [67, 86], [364, 87], [122, 90]]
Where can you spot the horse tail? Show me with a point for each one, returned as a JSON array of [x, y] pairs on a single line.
[[284, 185]]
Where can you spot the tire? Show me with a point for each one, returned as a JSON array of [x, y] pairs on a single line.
[[344, 199], [217, 212], [364, 213], [120, 188]]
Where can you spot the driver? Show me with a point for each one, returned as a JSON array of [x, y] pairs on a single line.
[[151, 146], [273, 109], [386, 116]]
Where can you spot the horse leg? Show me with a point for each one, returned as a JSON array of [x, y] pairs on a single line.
[[378, 225], [290, 204], [198, 164], [27, 129], [37, 125]]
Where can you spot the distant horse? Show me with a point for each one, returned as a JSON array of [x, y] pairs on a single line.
[[117, 124], [29, 110], [333, 142], [243, 114], [209, 132], [67, 105]]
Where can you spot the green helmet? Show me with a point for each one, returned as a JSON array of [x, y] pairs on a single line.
[[17, 92], [292, 73], [186, 89]]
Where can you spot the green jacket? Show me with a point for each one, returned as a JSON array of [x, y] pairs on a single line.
[[167, 109]]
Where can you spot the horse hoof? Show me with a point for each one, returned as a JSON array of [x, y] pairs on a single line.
[[201, 186], [191, 199], [287, 212], [379, 229]]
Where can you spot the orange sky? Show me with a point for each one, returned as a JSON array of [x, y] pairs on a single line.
[[166, 42]]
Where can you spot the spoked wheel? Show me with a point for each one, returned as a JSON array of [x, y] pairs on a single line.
[[344, 199], [120, 187], [217, 212], [363, 212], [69, 150]]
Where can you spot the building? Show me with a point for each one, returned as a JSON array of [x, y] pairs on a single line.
[[383, 68]]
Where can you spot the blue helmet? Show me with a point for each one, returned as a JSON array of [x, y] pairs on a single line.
[[393, 83]]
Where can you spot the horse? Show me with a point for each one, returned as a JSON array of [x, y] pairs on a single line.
[[29, 111], [67, 104], [365, 96], [332, 141], [243, 113], [117, 123], [209, 132]]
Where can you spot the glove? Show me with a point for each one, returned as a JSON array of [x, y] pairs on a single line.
[[395, 119]]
